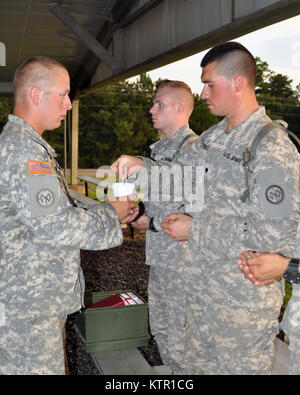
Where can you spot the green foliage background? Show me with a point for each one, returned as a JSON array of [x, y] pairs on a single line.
[[116, 119]]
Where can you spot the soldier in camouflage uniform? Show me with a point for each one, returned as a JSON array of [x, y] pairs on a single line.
[[42, 228], [265, 268], [230, 323], [172, 106], [241, 319]]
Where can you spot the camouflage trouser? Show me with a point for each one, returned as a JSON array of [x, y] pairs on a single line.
[[294, 363], [33, 347], [291, 326], [167, 316], [216, 343]]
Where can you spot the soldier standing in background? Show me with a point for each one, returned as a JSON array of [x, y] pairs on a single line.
[[172, 106], [41, 228]]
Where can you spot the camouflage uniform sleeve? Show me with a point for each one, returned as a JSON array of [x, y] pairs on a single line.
[[148, 181], [45, 210], [159, 202], [268, 222], [158, 219], [146, 169], [159, 211]]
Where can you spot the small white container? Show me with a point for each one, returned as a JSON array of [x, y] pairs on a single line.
[[123, 189]]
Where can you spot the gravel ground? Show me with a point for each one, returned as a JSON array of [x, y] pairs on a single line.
[[115, 269]]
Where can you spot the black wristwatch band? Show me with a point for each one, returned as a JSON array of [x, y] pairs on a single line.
[[151, 226], [292, 275]]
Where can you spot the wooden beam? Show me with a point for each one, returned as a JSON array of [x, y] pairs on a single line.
[[86, 37]]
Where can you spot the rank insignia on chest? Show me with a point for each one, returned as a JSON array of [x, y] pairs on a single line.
[[39, 167]]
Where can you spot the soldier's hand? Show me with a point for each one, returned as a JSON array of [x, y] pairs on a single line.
[[142, 222], [127, 165], [126, 209], [177, 226], [131, 216], [262, 268]]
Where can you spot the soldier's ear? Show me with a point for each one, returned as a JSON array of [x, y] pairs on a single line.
[[35, 95], [180, 108], [238, 83]]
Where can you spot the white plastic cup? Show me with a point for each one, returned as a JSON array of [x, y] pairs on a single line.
[[123, 189]]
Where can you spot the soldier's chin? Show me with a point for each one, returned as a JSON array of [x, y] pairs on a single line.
[[54, 126], [58, 123], [211, 108], [215, 112]]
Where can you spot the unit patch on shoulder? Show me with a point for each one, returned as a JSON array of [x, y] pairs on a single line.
[[275, 194], [44, 194], [45, 198], [39, 167]]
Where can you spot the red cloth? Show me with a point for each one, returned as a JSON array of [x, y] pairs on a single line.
[[113, 300]]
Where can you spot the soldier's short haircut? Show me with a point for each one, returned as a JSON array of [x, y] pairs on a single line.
[[36, 71], [173, 84], [232, 59]]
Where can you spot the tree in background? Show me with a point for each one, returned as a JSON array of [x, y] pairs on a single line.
[[116, 119], [275, 92], [6, 108], [201, 118]]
